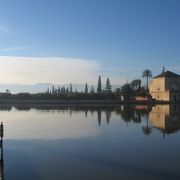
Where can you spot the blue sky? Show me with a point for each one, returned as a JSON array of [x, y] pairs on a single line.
[[122, 37]]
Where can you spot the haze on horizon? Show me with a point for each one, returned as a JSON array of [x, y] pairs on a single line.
[[66, 41]]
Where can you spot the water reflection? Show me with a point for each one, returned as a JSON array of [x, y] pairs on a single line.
[[90, 142], [5, 107], [134, 113], [147, 129], [69, 121], [99, 117], [165, 118]]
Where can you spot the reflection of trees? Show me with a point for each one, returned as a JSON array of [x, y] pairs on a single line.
[[70, 113], [5, 107], [108, 116], [146, 129], [86, 113], [137, 117], [99, 117], [23, 107], [128, 113], [133, 114]]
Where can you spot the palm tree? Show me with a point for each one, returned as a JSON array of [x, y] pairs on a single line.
[[136, 84], [8, 91], [147, 74]]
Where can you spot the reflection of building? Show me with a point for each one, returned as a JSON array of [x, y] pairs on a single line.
[[165, 117], [165, 86], [1, 159]]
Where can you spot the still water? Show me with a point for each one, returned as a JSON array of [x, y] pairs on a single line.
[[89, 143]]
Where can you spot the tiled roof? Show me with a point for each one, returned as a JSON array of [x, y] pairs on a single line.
[[168, 74]]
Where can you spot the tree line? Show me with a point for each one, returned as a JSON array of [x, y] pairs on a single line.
[[127, 91]]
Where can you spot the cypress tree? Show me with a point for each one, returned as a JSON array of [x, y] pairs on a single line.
[[47, 90], [108, 86], [86, 88], [53, 90], [59, 90], [70, 88], [92, 90], [99, 89]]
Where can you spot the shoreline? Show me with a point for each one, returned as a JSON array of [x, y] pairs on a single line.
[[82, 102]]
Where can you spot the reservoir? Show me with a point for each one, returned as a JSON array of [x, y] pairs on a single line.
[[90, 142]]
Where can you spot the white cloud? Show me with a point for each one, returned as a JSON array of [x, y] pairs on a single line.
[[55, 70], [12, 49], [29, 70]]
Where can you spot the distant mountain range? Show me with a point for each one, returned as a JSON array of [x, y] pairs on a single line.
[[42, 87]]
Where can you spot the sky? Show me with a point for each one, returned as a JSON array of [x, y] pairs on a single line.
[[62, 41]]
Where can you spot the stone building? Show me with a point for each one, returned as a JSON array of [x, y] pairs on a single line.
[[165, 87]]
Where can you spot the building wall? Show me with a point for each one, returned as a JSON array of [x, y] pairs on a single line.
[[165, 89], [157, 85], [174, 96], [141, 98], [172, 84], [161, 96]]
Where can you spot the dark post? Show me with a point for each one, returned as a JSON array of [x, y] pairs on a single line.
[[1, 130], [1, 146]]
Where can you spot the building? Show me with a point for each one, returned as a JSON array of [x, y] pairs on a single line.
[[165, 87]]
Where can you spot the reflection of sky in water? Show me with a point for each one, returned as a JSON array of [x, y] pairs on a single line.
[[64, 144], [54, 124], [92, 158], [70, 123]]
